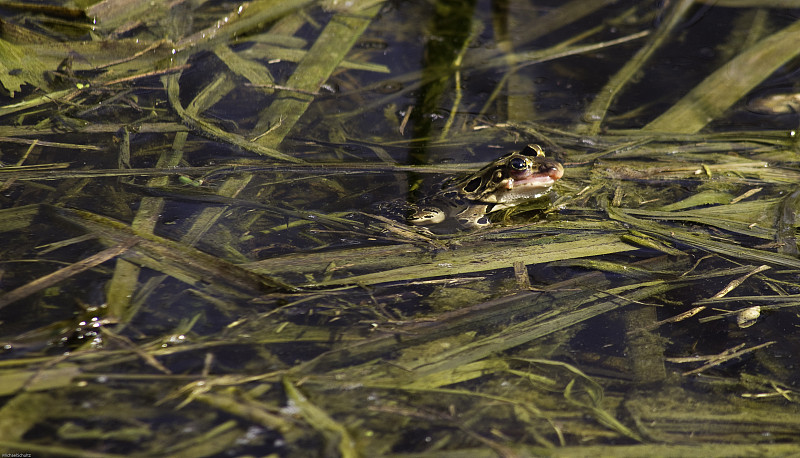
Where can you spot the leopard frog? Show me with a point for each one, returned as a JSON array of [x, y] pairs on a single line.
[[509, 181]]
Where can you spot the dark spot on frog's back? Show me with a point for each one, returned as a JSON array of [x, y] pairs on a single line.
[[529, 151], [473, 184]]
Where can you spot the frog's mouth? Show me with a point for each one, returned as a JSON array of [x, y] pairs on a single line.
[[526, 184], [539, 179]]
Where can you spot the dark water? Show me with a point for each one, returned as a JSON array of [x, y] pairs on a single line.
[[261, 306]]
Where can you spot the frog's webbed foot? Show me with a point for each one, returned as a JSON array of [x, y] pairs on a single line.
[[478, 223], [474, 217], [424, 216]]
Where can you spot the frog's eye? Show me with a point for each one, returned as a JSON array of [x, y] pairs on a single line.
[[518, 163]]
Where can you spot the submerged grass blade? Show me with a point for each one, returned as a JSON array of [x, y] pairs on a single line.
[[249, 16], [58, 376], [13, 219], [527, 331], [251, 411], [172, 258], [284, 54], [597, 110], [719, 91], [332, 430], [18, 68], [252, 70], [22, 412], [484, 258], [336, 40], [125, 280], [64, 273], [704, 243], [753, 219], [207, 129], [551, 306], [322, 59]]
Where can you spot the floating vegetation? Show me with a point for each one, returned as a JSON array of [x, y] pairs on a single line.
[[205, 252]]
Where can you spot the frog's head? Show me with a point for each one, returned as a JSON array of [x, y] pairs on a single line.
[[514, 177]]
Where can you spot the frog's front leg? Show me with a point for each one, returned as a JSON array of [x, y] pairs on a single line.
[[474, 216]]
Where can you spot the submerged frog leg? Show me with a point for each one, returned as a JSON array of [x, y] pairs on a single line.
[[474, 216]]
